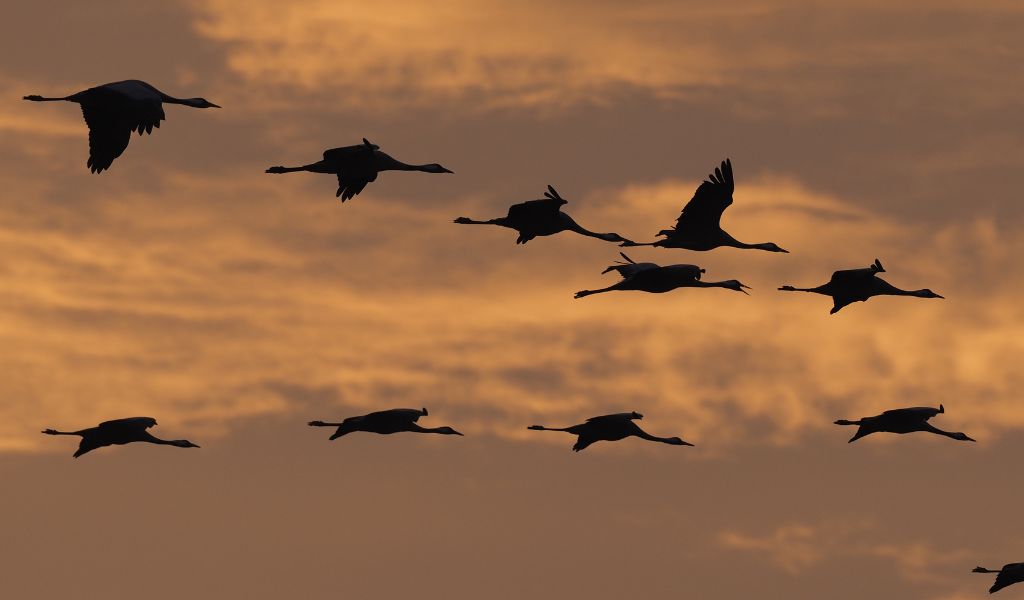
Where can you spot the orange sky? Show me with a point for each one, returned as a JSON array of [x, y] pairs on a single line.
[[233, 306]]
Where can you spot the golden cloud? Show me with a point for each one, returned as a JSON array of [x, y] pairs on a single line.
[[258, 303], [501, 54]]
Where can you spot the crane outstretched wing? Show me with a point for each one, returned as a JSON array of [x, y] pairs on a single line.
[[349, 186], [655, 276], [852, 276], [348, 152], [355, 167], [630, 267], [917, 412], [533, 210], [849, 276], [626, 416], [113, 112], [713, 196], [1008, 575], [399, 414], [130, 422], [109, 134], [140, 104], [690, 271]]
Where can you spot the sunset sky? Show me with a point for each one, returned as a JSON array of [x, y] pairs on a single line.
[[235, 306]]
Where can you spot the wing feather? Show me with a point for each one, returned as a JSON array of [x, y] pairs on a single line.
[[409, 415], [713, 196], [626, 416], [1008, 575], [349, 186], [532, 210], [851, 276], [348, 152], [109, 135], [129, 422], [920, 412], [113, 112]]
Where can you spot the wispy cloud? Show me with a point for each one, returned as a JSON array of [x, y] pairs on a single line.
[[140, 314], [797, 547], [539, 55]]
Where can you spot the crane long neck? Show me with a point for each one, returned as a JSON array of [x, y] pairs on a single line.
[[401, 166], [322, 166], [36, 98], [543, 428], [728, 240], [55, 432], [186, 101], [933, 429], [585, 293], [152, 439], [643, 434], [388, 163], [984, 570], [881, 287], [706, 284], [814, 290], [574, 226], [415, 428], [759, 246], [898, 292], [498, 221]]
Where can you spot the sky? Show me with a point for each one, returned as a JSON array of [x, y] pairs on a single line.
[[235, 306]]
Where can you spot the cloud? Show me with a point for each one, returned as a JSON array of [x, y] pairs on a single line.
[[797, 547], [538, 55], [235, 306], [377, 305]]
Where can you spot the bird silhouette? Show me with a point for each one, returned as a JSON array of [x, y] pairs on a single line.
[[699, 225], [542, 217], [857, 285], [902, 420], [356, 166], [385, 422], [118, 432], [649, 277], [609, 428], [114, 110], [1008, 575]]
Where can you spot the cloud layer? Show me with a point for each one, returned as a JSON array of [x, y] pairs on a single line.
[[235, 306]]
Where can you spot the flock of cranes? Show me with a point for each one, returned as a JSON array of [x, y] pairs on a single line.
[[114, 111], [603, 428]]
